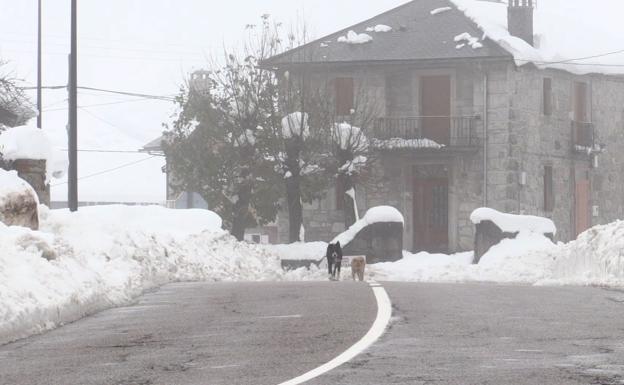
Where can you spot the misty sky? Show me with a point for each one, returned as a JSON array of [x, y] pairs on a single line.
[[144, 46]]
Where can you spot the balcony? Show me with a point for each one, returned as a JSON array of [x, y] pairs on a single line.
[[583, 136], [442, 133]]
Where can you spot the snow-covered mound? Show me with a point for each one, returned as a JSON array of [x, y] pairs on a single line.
[[107, 256], [595, 258], [18, 201], [510, 223], [299, 251], [374, 215]]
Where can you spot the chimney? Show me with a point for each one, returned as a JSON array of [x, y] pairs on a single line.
[[520, 19]]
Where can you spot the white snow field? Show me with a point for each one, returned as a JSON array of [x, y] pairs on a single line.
[[109, 255]]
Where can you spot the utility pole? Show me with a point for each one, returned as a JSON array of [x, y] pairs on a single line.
[[73, 112], [39, 92]]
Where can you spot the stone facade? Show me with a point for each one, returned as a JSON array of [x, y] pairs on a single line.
[[34, 172], [507, 103]]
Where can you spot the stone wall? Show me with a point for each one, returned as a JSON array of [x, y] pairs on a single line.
[[34, 172], [537, 141]]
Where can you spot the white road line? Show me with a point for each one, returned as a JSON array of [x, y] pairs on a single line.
[[282, 316], [384, 313]]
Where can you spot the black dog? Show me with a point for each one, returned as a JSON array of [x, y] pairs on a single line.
[[334, 260]]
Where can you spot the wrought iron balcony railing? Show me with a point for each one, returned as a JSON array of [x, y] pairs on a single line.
[[432, 131]]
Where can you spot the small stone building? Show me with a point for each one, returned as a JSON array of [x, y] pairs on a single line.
[[472, 125]]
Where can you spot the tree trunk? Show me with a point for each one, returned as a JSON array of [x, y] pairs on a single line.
[[349, 205], [295, 209], [293, 190], [241, 213], [348, 183]]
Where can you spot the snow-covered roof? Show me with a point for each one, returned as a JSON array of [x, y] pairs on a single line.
[[566, 31], [510, 223], [572, 35]]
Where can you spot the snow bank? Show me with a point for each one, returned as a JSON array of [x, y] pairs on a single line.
[[595, 258], [565, 31], [107, 256], [521, 260], [294, 124], [510, 223], [374, 215], [355, 38], [299, 250]]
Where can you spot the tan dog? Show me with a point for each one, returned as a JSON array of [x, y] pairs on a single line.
[[358, 265]]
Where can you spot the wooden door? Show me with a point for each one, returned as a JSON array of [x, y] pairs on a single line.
[[431, 215], [435, 96], [582, 198]]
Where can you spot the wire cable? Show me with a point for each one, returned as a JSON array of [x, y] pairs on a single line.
[[108, 171]]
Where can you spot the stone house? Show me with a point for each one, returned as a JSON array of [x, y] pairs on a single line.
[[519, 136]]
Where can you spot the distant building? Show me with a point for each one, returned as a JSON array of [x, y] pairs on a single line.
[[178, 198], [511, 135]]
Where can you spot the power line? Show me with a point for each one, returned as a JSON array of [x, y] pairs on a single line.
[[100, 118], [108, 151], [116, 92], [570, 61], [109, 170], [105, 104]]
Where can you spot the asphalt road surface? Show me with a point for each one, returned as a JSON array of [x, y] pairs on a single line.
[[268, 333]]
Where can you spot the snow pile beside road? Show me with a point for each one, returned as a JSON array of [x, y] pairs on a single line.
[[595, 258], [299, 251], [520, 260], [107, 256]]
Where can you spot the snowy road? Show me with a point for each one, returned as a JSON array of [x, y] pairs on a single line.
[[271, 332]]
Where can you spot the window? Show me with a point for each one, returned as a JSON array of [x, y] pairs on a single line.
[[580, 102], [549, 196], [344, 96], [547, 97]]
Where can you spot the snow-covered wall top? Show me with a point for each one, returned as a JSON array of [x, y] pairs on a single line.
[[378, 214], [29, 142], [569, 33], [510, 223]]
